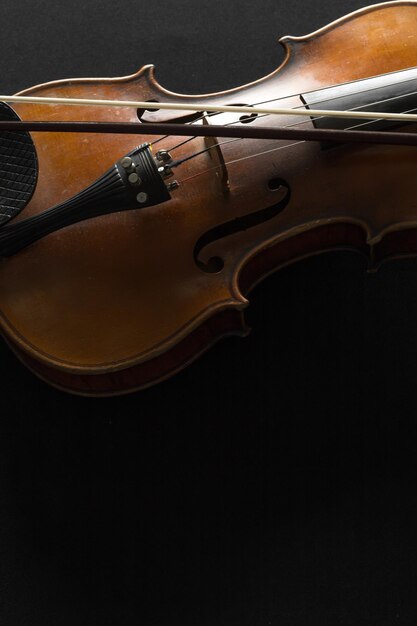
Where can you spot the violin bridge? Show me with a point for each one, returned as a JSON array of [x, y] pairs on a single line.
[[216, 154]]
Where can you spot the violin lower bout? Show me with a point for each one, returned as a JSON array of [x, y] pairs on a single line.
[[332, 237]]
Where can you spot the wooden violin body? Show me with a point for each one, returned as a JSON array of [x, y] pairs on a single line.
[[122, 301]]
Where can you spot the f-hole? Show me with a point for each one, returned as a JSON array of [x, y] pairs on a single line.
[[183, 119], [247, 119], [141, 112], [215, 264]]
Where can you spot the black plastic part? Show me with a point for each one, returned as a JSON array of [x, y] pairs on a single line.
[[111, 193], [387, 93], [18, 167]]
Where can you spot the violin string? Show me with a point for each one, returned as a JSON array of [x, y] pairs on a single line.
[[249, 156], [203, 151], [153, 143], [182, 143], [324, 101], [253, 156], [298, 123], [222, 143], [249, 108], [214, 112], [183, 106]]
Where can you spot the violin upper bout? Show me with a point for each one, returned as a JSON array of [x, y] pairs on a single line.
[[384, 34]]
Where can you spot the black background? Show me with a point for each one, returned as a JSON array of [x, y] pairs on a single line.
[[273, 481]]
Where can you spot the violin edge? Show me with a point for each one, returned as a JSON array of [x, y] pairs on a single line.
[[290, 39], [228, 322], [261, 263]]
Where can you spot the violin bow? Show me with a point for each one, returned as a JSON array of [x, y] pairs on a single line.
[[180, 129]]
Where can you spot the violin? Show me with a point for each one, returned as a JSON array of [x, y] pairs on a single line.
[[135, 221]]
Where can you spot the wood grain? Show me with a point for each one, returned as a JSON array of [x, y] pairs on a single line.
[[118, 302]]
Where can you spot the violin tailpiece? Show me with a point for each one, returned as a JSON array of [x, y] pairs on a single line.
[[133, 182]]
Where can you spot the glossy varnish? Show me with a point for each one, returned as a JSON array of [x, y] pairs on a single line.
[[118, 302]]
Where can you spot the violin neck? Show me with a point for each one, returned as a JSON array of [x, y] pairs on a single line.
[[395, 92]]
